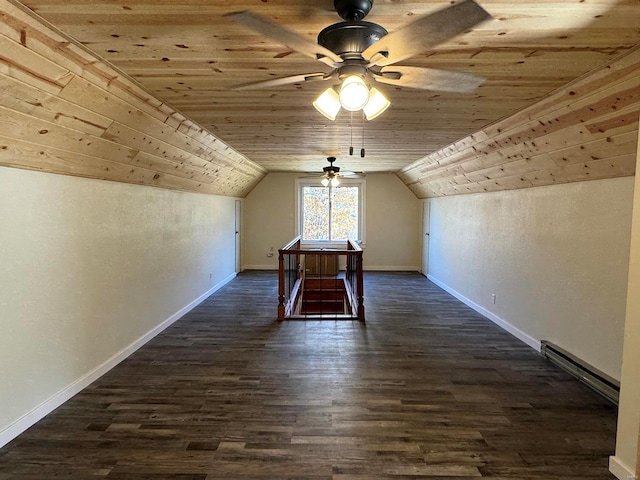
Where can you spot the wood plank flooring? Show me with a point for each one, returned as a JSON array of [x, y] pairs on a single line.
[[427, 388]]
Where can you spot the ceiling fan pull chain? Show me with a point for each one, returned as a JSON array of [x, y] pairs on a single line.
[[351, 129], [362, 149]]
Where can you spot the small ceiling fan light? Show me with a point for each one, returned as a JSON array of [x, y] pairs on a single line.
[[328, 104], [325, 182], [335, 182], [354, 93], [376, 105]]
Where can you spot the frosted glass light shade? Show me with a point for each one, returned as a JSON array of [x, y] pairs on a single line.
[[354, 93], [328, 103], [335, 182], [325, 182], [377, 104]]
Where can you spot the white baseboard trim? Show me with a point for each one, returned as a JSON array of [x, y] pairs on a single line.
[[620, 470], [387, 268], [516, 332], [260, 267], [49, 405]]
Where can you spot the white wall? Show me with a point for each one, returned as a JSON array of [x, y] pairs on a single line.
[[392, 218], [556, 257], [268, 219], [88, 269], [393, 225], [626, 462]]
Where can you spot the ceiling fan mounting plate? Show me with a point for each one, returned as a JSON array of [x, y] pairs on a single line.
[[350, 37], [351, 10]]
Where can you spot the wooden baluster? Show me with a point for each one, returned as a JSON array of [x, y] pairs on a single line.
[[360, 281], [281, 285]]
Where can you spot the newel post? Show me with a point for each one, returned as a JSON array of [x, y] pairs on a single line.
[[280, 285]]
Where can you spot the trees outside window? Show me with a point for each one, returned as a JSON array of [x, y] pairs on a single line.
[[330, 214]]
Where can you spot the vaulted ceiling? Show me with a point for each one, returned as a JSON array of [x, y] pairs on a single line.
[[188, 54]]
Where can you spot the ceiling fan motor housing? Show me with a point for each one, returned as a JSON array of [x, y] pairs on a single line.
[[350, 37], [352, 10]]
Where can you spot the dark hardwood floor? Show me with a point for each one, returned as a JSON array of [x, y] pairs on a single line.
[[427, 388]]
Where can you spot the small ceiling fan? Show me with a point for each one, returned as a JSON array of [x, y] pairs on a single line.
[[332, 173], [360, 53]]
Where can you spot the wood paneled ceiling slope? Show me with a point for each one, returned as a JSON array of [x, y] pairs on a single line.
[[149, 97]]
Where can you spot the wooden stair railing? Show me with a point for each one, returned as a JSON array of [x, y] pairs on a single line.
[[316, 294]]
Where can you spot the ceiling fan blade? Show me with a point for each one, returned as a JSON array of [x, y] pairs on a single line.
[[429, 79], [285, 36], [425, 32], [277, 82], [314, 7]]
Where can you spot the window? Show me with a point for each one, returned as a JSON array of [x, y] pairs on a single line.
[[330, 214]]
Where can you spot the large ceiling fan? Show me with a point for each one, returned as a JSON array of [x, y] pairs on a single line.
[[360, 53]]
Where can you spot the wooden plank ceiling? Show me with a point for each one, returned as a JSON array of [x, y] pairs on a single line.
[[587, 130], [189, 55]]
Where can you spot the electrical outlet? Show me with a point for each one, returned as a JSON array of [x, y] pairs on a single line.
[[493, 298]]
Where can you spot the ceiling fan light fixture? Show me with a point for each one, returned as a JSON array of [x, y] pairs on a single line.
[[335, 182], [354, 93], [376, 105], [328, 104], [325, 182]]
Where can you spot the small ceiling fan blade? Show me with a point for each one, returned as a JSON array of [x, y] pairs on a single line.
[[277, 82], [425, 32], [429, 79], [351, 175], [285, 36]]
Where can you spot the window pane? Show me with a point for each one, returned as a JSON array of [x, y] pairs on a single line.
[[315, 213], [344, 213]]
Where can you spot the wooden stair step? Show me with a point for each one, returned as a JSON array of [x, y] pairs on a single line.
[[323, 283], [324, 294], [322, 306]]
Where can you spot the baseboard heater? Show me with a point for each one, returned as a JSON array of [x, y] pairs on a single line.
[[591, 376]]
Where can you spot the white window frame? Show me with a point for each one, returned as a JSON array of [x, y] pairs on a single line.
[[351, 182]]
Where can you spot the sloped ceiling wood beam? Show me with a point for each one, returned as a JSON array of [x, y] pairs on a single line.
[[64, 110], [584, 131]]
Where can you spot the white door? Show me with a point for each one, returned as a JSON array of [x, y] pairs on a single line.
[[238, 246], [425, 237]]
